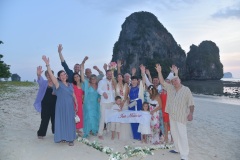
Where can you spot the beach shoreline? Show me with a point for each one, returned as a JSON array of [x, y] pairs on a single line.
[[207, 133]]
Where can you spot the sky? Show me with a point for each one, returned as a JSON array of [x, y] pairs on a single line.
[[32, 28]]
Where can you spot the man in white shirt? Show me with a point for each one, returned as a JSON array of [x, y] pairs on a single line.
[[107, 92]]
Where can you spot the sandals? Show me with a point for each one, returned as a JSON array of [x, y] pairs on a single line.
[[80, 133], [71, 143]]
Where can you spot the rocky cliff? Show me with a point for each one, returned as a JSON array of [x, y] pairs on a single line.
[[203, 62], [144, 40]]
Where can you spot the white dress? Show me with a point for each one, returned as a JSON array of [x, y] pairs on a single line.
[[125, 128], [155, 122], [144, 129]]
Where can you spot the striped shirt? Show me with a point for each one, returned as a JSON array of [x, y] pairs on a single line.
[[178, 102]]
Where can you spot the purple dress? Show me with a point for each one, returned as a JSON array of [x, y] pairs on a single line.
[[65, 127]]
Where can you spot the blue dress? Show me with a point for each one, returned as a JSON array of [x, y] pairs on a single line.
[[65, 127], [91, 109], [133, 94]]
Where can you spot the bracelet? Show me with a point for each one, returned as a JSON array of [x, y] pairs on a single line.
[[47, 65]]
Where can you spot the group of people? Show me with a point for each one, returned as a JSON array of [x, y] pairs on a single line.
[[87, 95]]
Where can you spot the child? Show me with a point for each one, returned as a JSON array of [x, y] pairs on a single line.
[[145, 130], [115, 127]]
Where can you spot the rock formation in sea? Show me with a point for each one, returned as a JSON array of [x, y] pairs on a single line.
[[144, 40], [227, 75], [203, 62]]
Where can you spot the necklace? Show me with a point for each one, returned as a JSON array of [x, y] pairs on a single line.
[[121, 89]]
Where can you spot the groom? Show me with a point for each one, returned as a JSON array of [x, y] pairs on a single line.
[[107, 92]]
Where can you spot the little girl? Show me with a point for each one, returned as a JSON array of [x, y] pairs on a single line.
[[145, 130]]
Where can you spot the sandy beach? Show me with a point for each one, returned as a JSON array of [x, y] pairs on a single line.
[[213, 134]]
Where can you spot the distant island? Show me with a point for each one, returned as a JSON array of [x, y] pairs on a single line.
[[227, 75]]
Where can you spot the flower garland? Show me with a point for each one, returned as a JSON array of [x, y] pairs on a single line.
[[129, 151]]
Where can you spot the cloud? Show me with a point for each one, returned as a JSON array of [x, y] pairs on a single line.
[[228, 12], [116, 6]]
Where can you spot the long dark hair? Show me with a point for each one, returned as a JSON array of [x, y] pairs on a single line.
[[74, 82], [154, 91], [119, 74]]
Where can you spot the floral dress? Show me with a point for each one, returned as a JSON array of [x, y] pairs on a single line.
[[155, 123]]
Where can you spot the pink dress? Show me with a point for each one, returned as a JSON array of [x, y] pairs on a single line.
[[79, 96]]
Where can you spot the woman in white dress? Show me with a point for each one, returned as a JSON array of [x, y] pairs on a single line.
[[122, 90]]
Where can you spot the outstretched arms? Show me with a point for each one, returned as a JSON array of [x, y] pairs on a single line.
[[39, 71], [60, 48], [53, 78], [160, 76], [119, 65]]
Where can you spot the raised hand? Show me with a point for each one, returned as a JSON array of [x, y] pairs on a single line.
[[142, 68], [60, 48], [85, 59], [45, 59], [105, 66], [158, 68], [134, 70], [147, 72], [119, 63], [175, 69], [95, 67], [39, 71]]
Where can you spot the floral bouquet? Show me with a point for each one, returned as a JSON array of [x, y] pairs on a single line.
[[112, 66]]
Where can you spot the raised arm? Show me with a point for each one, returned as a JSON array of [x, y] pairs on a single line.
[[82, 72], [63, 62], [149, 75], [84, 60], [53, 78], [105, 66], [60, 48], [119, 65], [148, 81], [39, 72], [101, 75], [82, 68], [143, 69], [160, 76], [134, 70], [40, 79], [175, 70]]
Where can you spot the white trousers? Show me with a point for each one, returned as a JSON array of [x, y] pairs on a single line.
[[103, 106], [179, 134]]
